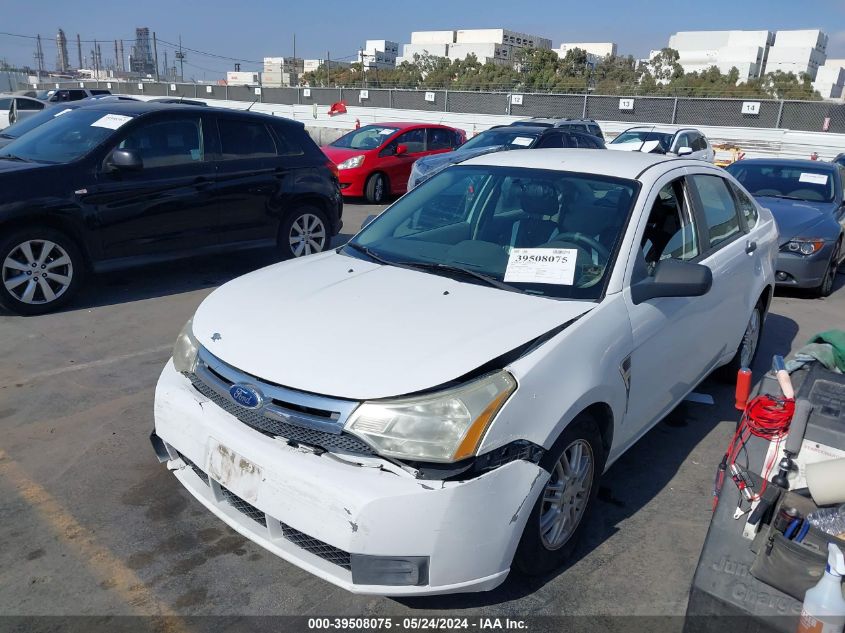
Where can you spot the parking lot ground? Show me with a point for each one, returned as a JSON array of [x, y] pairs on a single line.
[[92, 524]]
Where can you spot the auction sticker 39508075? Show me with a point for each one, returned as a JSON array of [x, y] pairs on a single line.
[[542, 266]]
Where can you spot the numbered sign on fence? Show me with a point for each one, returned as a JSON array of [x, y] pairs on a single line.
[[429, 96], [516, 99], [172, 87], [626, 104], [306, 92], [751, 107], [140, 86], [364, 94], [208, 89], [258, 91]]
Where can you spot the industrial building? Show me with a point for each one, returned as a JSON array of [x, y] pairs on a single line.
[[599, 50], [378, 54], [753, 53], [496, 46], [313, 65], [830, 79], [282, 71], [798, 52], [243, 78]]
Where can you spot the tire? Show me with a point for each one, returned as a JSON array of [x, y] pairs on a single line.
[[744, 356], [826, 286], [540, 549], [23, 259], [376, 189], [304, 232]]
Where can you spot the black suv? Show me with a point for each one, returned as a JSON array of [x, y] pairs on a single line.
[[119, 184], [585, 126]]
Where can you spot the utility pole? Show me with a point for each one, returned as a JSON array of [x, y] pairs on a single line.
[[39, 56], [155, 54], [96, 55], [79, 49], [166, 67], [328, 69], [181, 57], [116, 58]]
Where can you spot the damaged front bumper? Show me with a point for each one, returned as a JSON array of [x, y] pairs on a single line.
[[358, 522]]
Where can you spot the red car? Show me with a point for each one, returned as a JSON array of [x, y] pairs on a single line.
[[375, 161]]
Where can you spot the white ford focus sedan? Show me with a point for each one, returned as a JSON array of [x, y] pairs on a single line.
[[432, 404]]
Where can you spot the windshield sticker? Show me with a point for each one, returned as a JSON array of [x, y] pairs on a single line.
[[816, 179], [65, 111], [111, 121], [542, 266], [387, 131], [522, 141]]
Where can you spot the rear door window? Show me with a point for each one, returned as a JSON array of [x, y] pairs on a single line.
[[718, 208], [240, 138], [440, 139]]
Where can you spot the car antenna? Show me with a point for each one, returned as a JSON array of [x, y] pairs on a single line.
[[644, 140], [251, 104]]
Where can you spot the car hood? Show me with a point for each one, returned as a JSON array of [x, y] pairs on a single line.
[[339, 154], [340, 326], [17, 166], [437, 162], [795, 217]]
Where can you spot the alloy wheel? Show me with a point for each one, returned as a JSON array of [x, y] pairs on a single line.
[[307, 235], [566, 494], [37, 272], [379, 189], [750, 339], [830, 274]]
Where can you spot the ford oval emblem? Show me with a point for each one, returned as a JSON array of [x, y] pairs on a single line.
[[246, 395]]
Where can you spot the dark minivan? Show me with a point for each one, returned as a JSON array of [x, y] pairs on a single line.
[[123, 184]]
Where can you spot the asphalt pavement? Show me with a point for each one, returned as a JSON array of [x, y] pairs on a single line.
[[92, 524]]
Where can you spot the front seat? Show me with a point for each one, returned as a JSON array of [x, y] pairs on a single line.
[[540, 202]]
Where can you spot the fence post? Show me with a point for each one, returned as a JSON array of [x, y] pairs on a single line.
[[445, 101], [509, 104], [227, 92], [780, 115], [584, 109], [299, 96], [196, 90], [390, 97], [674, 111]]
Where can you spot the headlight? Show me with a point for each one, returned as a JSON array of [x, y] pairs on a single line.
[[185, 349], [805, 246], [351, 163], [441, 427]]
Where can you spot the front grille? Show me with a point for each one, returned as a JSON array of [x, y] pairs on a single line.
[[244, 507], [317, 547], [275, 428]]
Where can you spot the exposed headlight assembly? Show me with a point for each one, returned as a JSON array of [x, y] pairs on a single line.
[[445, 426], [351, 163], [185, 349], [804, 245]]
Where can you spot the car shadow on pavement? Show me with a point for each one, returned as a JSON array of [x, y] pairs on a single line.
[[637, 477]]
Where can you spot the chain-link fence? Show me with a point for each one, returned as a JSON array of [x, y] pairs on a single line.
[[810, 116]]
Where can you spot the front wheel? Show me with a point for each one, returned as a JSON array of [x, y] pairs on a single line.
[[376, 189], [826, 286], [40, 270], [304, 232], [576, 462], [747, 351]]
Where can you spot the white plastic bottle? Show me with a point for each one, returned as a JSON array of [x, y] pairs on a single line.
[[824, 606]]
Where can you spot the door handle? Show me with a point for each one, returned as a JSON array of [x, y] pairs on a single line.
[[750, 246]]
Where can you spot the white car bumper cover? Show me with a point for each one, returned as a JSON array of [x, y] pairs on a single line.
[[318, 508]]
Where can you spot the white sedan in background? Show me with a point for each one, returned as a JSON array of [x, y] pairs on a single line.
[[518, 322], [659, 139]]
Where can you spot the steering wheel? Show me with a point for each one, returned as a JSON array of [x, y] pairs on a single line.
[[583, 239]]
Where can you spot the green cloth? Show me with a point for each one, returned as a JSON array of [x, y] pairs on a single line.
[[836, 339]]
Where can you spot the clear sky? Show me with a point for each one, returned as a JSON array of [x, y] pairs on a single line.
[[253, 29]]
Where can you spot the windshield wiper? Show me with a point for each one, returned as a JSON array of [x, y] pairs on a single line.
[[6, 136], [448, 268], [13, 157], [368, 252], [772, 195]]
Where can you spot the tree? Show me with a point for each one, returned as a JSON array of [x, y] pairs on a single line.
[[664, 66]]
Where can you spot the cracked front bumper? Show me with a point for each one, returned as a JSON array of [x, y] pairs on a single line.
[[313, 510]]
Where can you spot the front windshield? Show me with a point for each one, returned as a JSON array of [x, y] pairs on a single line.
[[507, 138], [542, 232], [22, 127], [367, 137], [643, 136], [67, 137], [781, 181]]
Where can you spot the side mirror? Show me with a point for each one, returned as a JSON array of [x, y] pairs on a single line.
[[401, 149], [126, 160], [684, 151], [673, 278]]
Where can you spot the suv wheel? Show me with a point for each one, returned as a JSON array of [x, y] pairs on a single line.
[[304, 232], [576, 462], [40, 270], [376, 189]]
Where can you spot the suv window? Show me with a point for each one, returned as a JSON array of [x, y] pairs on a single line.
[[746, 206], [5, 104], [698, 143], [683, 140], [595, 130], [240, 138], [167, 143], [29, 104], [718, 207], [76, 95], [670, 229], [556, 139], [439, 138]]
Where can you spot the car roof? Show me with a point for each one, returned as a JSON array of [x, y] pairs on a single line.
[[522, 129], [621, 164], [663, 129], [138, 108], [789, 162], [407, 124]]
